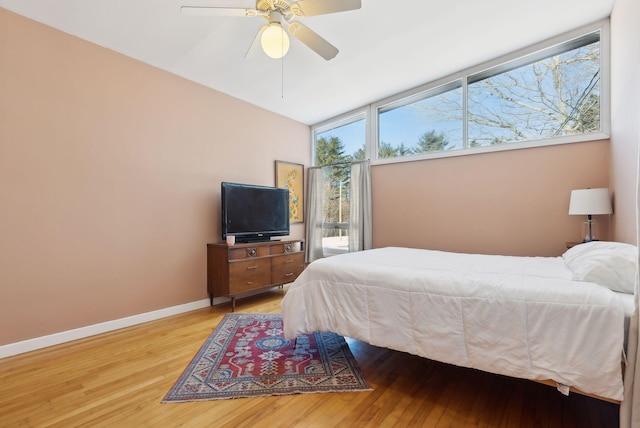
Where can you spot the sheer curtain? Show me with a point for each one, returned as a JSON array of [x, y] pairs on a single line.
[[630, 406], [360, 207], [360, 228], [313, 235]]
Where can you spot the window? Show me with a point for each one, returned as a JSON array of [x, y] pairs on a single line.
[[551, 93], [428, 122], [335, 145], [554, 96], [336, 204], [340, 141]]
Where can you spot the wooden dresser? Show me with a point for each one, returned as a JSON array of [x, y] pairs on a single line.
[[234, 270]]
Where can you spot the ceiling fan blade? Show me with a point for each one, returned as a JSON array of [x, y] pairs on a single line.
[[217, 11], [316, 43], [322, 7], [256, 41]]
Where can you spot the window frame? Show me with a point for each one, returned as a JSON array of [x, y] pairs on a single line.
[[569, 45], [339, 121], [515, 59], [436, 88]]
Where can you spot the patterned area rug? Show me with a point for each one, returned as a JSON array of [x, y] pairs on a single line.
[[247, 356]]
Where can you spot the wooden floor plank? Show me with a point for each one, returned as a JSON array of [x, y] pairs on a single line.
[[119, 379]]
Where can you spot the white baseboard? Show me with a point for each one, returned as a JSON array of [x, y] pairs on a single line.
[[91, 330]]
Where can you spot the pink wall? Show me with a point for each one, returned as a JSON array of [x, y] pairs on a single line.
[[625, 115], [513, 202], [109, 180], [110, 172]]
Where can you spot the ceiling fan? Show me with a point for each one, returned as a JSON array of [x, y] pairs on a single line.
[[281, 14]]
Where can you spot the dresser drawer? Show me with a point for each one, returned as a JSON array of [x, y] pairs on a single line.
[[284, 276], [287, 261], [248, 275], [286, 268]]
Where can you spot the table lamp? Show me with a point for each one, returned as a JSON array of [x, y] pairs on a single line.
[[590, 202]]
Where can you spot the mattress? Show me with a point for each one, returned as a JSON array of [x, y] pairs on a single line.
[[517, 316]]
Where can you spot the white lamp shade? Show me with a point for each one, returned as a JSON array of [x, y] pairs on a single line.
[[590, 202], [274, 41]]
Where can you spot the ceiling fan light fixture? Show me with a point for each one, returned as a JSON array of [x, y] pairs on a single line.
[[275, 41]]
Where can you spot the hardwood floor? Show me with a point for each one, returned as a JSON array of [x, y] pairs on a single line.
[[118, 379]]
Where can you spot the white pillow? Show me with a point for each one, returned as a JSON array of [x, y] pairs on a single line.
[[612, 264]]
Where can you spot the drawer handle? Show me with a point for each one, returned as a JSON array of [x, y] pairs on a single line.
[[288, 274], [288, 261], [252, 267], [249, 282]]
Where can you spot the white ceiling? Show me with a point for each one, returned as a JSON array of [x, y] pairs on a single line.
[[385, 48]]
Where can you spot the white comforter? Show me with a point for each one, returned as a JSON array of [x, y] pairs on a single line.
[[517, 316]]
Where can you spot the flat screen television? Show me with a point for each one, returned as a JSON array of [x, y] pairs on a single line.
[[254, 213]]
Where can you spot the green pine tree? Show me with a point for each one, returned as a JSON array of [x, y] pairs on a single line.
[[432, 142]]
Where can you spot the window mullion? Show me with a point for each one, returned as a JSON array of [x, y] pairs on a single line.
[[465, 114]]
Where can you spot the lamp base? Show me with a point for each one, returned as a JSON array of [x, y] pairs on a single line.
[[590, 231]]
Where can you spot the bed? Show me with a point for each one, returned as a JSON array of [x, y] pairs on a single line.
[[550, 319]]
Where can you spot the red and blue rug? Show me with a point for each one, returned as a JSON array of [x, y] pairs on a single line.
[[247, 356]]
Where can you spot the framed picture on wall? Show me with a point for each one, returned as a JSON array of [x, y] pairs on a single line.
[[291, 176]]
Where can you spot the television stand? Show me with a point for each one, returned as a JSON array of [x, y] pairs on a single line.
[[247, 268]]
